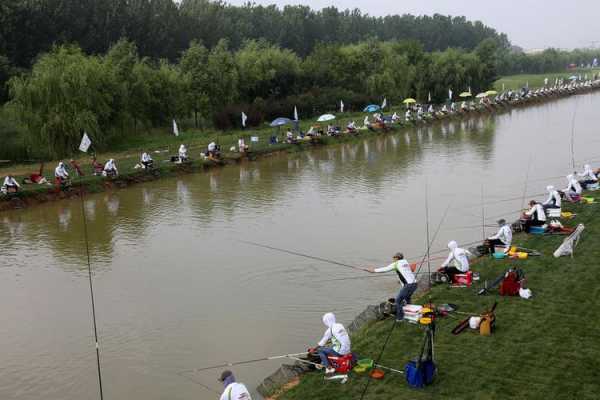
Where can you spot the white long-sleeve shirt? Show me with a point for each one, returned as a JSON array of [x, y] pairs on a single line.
[[182, 151], [553, 198], [10, 181], [504, 234], [337, 334], [460, 256], [537, 209], [146, 157], [402, 267], [574, 186], [588, 174], [110, 166], [236, 391], [61, 171]]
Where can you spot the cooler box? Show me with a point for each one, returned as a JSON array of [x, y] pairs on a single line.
[[593, 187], [553, 212], [463, 279], [412, 313]]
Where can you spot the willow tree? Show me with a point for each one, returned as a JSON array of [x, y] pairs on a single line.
[[65, 94]]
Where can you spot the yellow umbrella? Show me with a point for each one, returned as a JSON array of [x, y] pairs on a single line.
[[491, 93], [409, 101], [465, 94]]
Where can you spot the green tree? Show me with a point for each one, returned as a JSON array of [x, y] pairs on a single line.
[[193, 64]]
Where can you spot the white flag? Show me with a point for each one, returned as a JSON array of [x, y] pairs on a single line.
[[244, 119], [85, 143], [450, 94], [341, 106], [384, 104], [295, 114], [429, 97], [175, 129]]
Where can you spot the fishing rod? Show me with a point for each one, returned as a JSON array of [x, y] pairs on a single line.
[[89, 267], [573, 135], [197, 383], [236, 363], [303, 255], [526, 181], [427, 232]]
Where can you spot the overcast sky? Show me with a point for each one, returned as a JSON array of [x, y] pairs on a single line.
[[530, 24]]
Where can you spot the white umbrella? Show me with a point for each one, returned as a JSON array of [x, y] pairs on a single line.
[[326, 117]]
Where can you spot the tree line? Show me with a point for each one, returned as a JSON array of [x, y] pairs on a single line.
[[122, 93]]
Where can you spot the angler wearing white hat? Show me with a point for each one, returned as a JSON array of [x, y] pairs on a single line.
[[588, 176], [339, 338], [573, 191], [457, 261], [553, 200], [502, 238]]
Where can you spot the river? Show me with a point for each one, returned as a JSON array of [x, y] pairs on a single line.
[[176, 289]]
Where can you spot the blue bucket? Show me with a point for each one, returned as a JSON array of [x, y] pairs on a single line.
[[537, 230], [499, 255]]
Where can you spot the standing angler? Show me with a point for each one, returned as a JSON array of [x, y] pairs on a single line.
[[233, 390], [407, 280]]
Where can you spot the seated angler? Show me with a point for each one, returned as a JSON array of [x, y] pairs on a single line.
[[554, 200], [407, 279], [457, 261], [573, 191], [339, 338], [110, 169], [147, 161], [588, 177], [183, 157], [10, 185], [502, 238], [408, 116], [242, 146], [535, 216], [97, 167], [444, 109], [212, 151], [60, 174]]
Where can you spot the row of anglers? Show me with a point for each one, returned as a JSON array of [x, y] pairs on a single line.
[[335, 344], [62, 172], [416, 113]]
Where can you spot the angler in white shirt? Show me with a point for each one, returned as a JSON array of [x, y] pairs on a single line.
[[573, 191], [182, 153], [110, 168], [233, 390], [60, 172], [502, 238], [10, 185], [535, 216], [147, 161], [588, 175], [407, 115], [554, 200], [242, 148], [457, 261], [340, 340], [407, 279]]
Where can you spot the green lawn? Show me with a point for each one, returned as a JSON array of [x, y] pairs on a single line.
[[515, 82], [547, 347]]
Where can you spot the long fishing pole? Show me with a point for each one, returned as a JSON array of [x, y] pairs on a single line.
[[428, 253], [87, 249], [573, 135], [482, 214], [427, 232], [303, 255], [245, 362], [197, 383], [526, 182]]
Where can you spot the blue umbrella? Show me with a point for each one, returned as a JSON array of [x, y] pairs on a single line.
[[372, 108], [280, 121]]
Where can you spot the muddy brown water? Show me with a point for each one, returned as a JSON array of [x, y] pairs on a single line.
[[176, 289]]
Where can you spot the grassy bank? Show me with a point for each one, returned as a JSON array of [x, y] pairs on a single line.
[[516, 82], [543, 348]]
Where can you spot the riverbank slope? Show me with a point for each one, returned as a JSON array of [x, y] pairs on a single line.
[[543, 348]]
